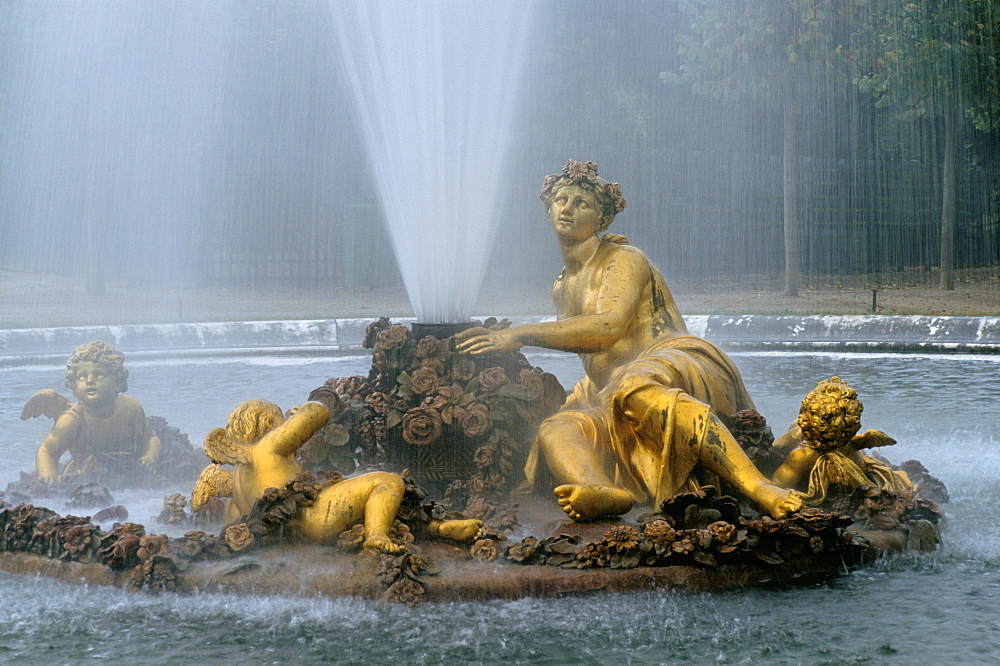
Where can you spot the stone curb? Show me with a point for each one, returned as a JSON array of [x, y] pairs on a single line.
[[909, 334]]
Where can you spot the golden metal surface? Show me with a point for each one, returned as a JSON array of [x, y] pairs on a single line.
[[104, 431], [829, 460], [644, 422], [260, 443]]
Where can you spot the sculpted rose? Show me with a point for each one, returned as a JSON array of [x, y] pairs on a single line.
[[426, 348], [483, 456], [532, 380], [422, 425], [239, 537], [484, 549], [424, 381], [393, 337], [463, 370], [476, 420], [491, 378]]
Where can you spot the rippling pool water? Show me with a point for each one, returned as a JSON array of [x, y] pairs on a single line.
[[939, 608]]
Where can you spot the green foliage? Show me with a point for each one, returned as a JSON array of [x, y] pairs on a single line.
[[928, 58], [766, 49]]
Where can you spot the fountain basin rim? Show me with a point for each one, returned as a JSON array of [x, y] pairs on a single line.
[[322, 337], [310, 570]]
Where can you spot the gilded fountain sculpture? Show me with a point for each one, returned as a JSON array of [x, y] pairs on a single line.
[[647, 415], [661, 421]]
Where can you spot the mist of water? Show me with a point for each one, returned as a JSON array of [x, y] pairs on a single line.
[[189, 146], [437, 89], [108, 112]]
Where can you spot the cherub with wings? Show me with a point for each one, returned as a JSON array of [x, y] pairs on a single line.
[[261, 443], [104, 432], [829, 460]]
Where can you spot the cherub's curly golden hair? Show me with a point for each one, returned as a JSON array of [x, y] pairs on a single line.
[[830, 415], [252, 419], [99, 353]]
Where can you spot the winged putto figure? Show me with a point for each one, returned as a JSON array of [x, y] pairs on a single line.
[[829, 460], [105, 433], [260, 443]]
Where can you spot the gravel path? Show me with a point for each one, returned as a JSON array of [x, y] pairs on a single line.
[[33, 301]]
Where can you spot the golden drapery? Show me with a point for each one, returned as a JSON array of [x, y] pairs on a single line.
[[651, 451], [834, 469]]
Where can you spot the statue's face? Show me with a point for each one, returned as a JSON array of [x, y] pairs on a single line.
[[93, 386], [574, 213]]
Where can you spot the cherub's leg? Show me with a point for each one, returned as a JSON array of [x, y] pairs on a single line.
[[585, 489], [381, 508], [372, 499], [456, 530]]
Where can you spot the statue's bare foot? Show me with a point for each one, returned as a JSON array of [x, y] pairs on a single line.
[[457, 530], [585, 503], [382, 543], [778, 502]]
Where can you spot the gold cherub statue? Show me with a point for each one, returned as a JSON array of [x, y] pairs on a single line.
[[261, 443], [829, 459], [647, 415], [104, 432]]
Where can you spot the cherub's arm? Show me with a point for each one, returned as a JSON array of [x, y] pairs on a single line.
[[152, 451], [56, 443], [796, 467], [296, 430], [622, 283], [789, 441], [871, 439], [151, 443]]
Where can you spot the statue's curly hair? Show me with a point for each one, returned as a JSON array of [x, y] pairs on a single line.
[[101, 354], [252, 419], [830, 415], [584, 174]]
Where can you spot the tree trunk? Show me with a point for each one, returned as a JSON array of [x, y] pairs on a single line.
[[789, 178], [948, 204]]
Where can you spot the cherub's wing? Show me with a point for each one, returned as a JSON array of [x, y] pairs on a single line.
[[49, 402], [224, 451], [214, 481], [871, 439]]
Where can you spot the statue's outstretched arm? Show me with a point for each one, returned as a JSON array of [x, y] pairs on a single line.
[[296, 430], [619, 297]]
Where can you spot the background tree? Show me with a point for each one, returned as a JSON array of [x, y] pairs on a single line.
[[934, 59], [778, 53]]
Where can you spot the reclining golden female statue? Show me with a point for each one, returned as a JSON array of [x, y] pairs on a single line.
[[647, 415], [104, 432], [261, 443], [829, 460]]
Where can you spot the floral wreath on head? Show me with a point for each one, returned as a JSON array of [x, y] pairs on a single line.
[[585, 173]]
